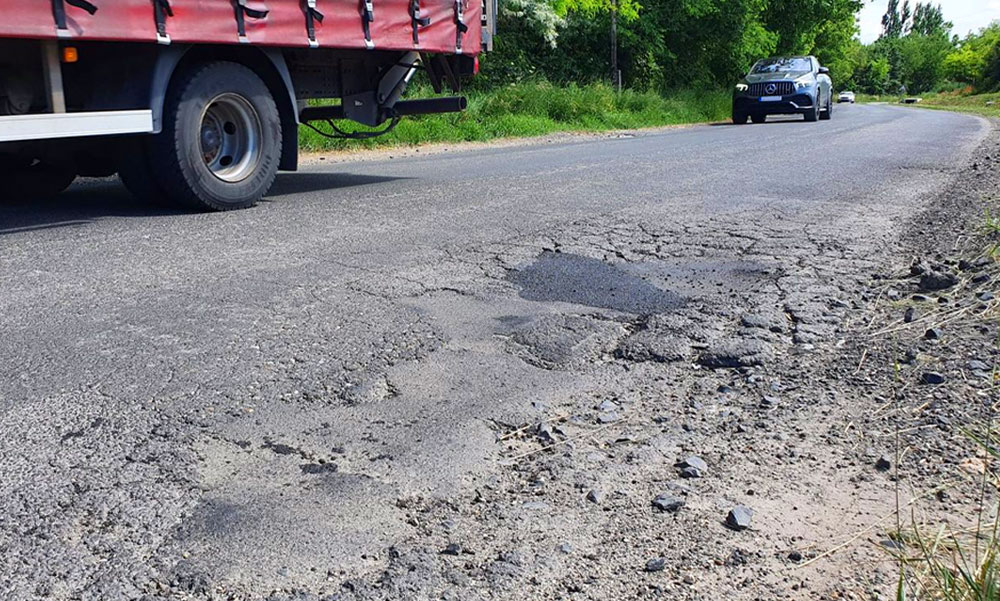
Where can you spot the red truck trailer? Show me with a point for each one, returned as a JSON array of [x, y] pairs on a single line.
[[198, 102]]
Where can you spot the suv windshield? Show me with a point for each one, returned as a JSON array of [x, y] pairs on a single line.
[[781, 65]]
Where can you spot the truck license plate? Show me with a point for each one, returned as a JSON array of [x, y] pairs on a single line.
[[770, 98]]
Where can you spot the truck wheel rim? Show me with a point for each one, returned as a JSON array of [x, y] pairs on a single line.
[[230, 138]]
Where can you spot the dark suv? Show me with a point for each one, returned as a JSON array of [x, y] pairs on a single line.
[[784, 86]]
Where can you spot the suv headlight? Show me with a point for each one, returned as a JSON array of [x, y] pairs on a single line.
[[742, 87], [803, 82]]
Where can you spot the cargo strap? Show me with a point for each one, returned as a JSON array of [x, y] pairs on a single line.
[[417, 21], [460, 22], [367, 17], [162, 10], [59, 12], [242, 12], [313, 16]]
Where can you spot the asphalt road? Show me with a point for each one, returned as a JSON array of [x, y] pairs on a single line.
[[249, 398]]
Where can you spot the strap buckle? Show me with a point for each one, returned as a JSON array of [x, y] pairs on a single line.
[[312, 17], [162, 10], [417, 21], [59, 13], [367, 17], [242, 12], [462, 27]]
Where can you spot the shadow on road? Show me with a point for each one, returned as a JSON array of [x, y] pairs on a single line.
[[773, 119], [81, 204], [89, 200], [288, 184]]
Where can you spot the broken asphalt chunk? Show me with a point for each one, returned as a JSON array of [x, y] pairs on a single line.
[[668, 502], [739, 517]]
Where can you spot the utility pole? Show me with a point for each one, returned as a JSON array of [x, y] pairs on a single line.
[[615, 76]]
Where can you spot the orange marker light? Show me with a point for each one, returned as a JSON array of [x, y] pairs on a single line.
[[70, 55]]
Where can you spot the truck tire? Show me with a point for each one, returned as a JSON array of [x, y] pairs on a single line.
[[29, 180], [221, 140]]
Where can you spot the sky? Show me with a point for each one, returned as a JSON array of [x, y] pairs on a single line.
[[967, 15]]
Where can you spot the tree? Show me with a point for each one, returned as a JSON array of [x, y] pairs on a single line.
[[892, 24], [928, 20], [974, 57]]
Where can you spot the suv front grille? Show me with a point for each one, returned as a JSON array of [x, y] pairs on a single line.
[[781, 88]]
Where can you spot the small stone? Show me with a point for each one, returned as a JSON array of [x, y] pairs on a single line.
[[977, 365], [892, 545], [608, 418], [936, 280], [695, 462], [607, 406], [656, 564], [688, 579], [565, 548], [980, 278], [595, 496], [932, 334], [739, 517], [918, 268], [667, 502], [884, 463], [986, 296], [920, 298], [964, 265], [691, 472], [795, 556], [932, 377], [910, 356], [452, 549], [545, 432], [769, 402], [318, 468], [909, 315]]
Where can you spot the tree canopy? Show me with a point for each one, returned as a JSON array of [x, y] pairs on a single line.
[[667, 44]]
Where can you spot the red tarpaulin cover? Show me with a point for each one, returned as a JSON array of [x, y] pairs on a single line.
[[214, 21]]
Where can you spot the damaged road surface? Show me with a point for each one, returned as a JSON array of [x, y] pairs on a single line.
[[576, 369]]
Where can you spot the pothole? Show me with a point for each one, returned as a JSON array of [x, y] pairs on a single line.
[[570, 278]]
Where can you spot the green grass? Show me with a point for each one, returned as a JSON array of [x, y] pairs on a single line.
[[536, 109], [953, 101], [957, 564]]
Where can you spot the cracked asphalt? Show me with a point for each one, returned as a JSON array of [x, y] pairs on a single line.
[[314, 397]]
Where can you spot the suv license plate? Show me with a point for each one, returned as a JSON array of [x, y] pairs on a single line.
[[770, 98]]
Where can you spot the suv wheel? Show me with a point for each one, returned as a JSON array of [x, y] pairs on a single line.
[[759, 118], [825, 115], [812, 114], [739, 118]]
